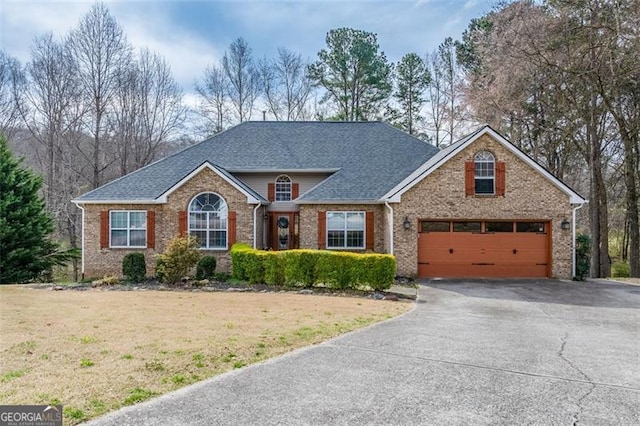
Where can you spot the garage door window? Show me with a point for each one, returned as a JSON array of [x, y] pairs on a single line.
[[467, 227], [432, 226], [537, 227], [498, 226]]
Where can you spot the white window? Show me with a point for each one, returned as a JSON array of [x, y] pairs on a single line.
[[128, 228], [484, 173], [345, 230], [283, 188], [208, 221]]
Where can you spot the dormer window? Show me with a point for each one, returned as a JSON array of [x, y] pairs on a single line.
[[283, 188], [485, 173]]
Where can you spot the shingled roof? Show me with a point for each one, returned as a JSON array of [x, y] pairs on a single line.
[[366, 160]]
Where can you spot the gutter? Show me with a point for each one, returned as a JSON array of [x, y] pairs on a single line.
[[386, 203], [573, 239]]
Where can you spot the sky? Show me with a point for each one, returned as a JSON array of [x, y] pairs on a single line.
[[193, 34]]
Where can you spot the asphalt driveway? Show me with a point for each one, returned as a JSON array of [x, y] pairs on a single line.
[[482, 352]]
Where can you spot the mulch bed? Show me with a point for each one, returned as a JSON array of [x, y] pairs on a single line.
[[220, 286]]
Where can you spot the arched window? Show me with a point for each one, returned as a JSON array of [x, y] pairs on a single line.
[[283, 188], [485, 173], [208, 220]]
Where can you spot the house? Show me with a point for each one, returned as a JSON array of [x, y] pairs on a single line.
[[478, 208]]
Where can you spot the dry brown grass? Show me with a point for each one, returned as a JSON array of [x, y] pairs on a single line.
[[95, 351]]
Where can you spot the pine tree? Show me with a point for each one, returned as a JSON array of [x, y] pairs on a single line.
[[26, 249]]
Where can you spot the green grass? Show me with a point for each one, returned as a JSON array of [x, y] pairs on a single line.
[[11, 375], [138, 395], [85, 362]]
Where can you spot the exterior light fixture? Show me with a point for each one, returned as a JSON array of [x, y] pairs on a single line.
[[406, 224], [565, 225]]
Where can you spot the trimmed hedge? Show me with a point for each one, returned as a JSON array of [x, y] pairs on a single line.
[[308, 268]]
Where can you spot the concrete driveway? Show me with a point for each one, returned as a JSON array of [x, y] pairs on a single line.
[[483, 352]]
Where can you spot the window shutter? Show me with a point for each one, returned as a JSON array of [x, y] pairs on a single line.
[[151, 229], [271, 192], [469, 178], [500, 178], [295, 190], [182, 223], [370, 231], [104, 229], [322, 230], [231, 229]]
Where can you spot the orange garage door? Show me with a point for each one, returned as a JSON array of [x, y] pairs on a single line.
[[483, 249]]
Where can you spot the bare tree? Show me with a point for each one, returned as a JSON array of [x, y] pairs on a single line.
[[285, 85], [100, 49], [436, 99], [147, 111], [214, 101], [243, 77], [11, 93], [51, 113]]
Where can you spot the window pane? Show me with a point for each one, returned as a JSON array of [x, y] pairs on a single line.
[[434, 226], [498, 226], [530, 227], [335, 239], [119, 220], [484, 186], [197, 220], [466, 227], [138, 238], [118, 238], [484, 169], [335, 220], [355, 239], [355, 221], [201, 236], [217, 239], [138, 220]]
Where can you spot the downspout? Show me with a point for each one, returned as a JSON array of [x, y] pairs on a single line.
[[573, 246], [81, 241], [255, 224], [386, 203]]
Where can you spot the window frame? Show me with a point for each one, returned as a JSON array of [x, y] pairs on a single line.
[[479, 160], [207, 229], [128, 229], [286, 193], [345, 230]]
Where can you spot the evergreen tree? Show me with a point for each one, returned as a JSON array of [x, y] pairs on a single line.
[[26, 250]]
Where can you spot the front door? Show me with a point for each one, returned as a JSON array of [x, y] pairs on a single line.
[[284, 229]]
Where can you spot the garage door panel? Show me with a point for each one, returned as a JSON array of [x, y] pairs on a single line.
[[472, 254]]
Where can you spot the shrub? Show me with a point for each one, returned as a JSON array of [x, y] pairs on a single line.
[[338, 270], [300, 267], [206, 268], [273, 263], [134, 267], [583, 253], [238, 254], [181, 255], [620, 270]]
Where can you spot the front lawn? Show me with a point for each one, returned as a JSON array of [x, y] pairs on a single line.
[[95, 351]]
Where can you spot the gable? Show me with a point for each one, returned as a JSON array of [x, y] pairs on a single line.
[[490, 139]]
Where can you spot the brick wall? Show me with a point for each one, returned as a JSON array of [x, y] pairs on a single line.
[[441, 195], [99, 262]]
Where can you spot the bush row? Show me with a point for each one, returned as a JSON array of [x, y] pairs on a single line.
[[308, 268]]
